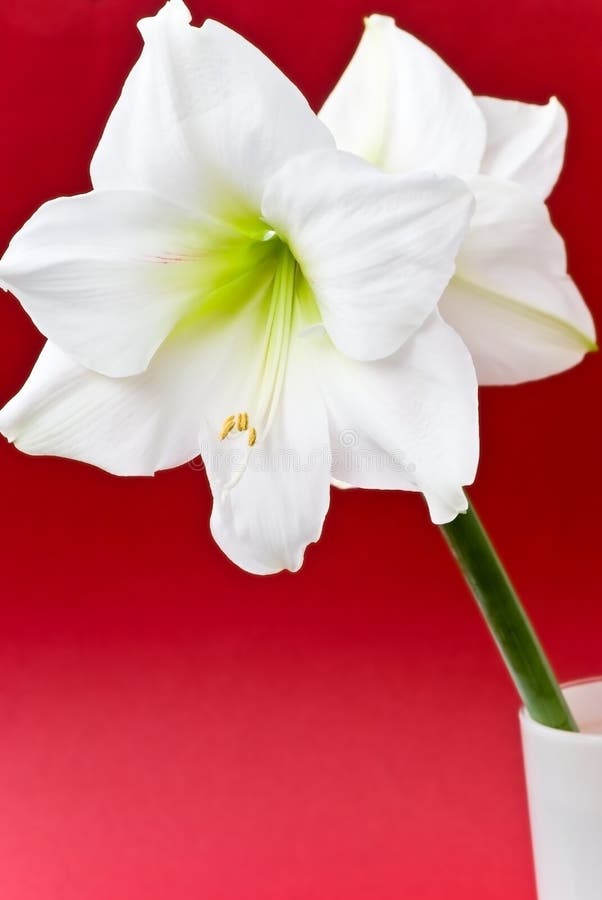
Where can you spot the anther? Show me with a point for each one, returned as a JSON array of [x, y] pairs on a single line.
[[227, 427], [242, 421], [252, 437]]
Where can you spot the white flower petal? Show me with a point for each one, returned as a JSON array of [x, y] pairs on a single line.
[[107, 275], [203, 118], [377, 250], [525, 142], [127, 426], [511, 300], [408, 422], [265, 520], [136, 425], [401, 107]]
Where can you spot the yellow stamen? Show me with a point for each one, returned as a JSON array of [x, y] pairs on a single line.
[[227, 427], [252, 437], [242, 421]]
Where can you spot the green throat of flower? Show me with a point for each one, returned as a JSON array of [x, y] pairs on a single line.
[[252, 273]]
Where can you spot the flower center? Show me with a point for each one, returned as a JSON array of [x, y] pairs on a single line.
[[280, 310], [249, 296]]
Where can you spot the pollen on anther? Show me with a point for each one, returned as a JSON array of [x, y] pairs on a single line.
[[242, 421], [227, 427], [252, 437]]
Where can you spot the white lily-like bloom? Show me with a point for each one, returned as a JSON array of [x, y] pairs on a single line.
[[236, 285], [401, 107]]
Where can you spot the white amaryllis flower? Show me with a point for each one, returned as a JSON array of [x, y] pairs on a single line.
[[236, 285], [401, 107]]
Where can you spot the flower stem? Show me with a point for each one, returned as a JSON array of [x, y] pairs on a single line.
[[507, 621]]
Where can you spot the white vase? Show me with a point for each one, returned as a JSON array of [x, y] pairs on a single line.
[[564, 786]]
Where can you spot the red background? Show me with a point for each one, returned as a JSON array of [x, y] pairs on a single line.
[[171, 727]]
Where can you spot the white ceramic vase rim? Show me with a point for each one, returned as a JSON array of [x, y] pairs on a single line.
[[574, 737]]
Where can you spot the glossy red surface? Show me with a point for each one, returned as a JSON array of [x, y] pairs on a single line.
[[173, 728]]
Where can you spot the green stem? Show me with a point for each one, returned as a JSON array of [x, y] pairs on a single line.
[[508, 621]]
